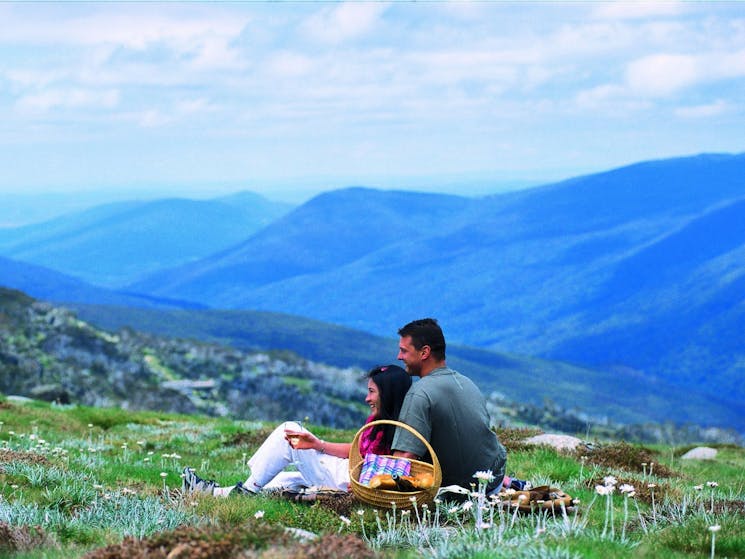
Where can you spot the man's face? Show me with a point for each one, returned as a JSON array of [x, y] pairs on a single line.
[[410, 356]]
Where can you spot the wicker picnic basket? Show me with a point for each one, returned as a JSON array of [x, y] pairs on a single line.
[[383, 498]]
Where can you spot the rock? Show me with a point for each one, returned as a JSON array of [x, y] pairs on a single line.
[[700, 453], [559, 442]]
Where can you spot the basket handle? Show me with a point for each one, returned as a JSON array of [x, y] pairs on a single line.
[[354, 452]]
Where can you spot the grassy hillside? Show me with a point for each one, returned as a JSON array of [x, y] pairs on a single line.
[[104, 483]]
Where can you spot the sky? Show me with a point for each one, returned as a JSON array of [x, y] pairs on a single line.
[[290, 98]]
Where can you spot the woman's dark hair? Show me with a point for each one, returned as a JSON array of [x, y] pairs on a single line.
[[393, 383]]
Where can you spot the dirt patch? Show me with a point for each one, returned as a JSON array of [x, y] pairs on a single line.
[[254, 540], [725, 507], [340, 504], [8, 456], [513, 439], [14, 539], [204, 542], [334, 547], [624, 456]]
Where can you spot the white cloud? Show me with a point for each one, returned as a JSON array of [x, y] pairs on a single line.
[[203, 38], [195, 106], [344, 22], [290, 64], [313, 74], [68, 99], [152, 119], [716, 108], [727, 65], [638, 9], [663, 74]]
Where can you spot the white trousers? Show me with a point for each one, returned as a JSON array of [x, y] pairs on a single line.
[[275, 454]]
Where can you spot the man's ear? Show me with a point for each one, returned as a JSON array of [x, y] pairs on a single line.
[[426, 351]]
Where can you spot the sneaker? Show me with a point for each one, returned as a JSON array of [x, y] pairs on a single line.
[[240, 489], [519, 485], [192, 482]]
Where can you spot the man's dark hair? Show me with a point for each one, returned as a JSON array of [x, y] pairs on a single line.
[[426, 331]]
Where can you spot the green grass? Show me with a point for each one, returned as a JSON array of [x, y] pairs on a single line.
[[92, 478]]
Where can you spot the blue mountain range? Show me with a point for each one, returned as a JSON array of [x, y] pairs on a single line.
[[638, 270]]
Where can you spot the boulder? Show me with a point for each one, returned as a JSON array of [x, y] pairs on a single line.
[[559, 442], [700, 453]]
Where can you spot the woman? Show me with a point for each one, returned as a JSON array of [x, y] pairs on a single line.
[[319, 463]]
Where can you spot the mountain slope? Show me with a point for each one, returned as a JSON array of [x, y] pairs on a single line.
[[622, 395], [548, 271], [113, 244], [636, 270], [48, 285], [47, 353], [331, 230]]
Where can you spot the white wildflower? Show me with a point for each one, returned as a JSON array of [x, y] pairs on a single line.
[[486, 476], [259, 514], [626, 488], [610, 480], [603, 489]]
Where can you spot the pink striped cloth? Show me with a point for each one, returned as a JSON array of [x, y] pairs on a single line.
[[375, 464]]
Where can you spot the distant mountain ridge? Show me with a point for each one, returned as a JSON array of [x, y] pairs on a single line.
[[55, 286], [113, 244]]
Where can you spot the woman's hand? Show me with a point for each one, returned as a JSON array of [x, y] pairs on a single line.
[[302, 440]]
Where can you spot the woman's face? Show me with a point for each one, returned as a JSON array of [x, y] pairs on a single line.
[[373, 397]]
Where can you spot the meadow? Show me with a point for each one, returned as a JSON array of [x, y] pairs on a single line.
[[100, 483]]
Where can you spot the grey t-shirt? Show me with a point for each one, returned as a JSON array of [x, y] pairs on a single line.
[[449, 411]]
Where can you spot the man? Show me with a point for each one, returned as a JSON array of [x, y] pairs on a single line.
[[447, 409]]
